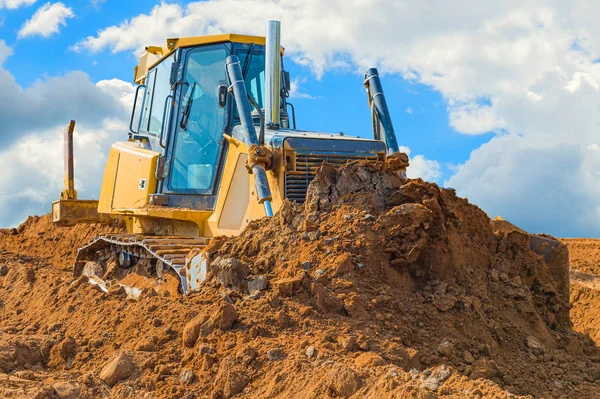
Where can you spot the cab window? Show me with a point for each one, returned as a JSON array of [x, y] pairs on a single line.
[[157, 90]]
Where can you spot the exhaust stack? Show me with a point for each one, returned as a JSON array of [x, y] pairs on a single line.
[[273, 75]]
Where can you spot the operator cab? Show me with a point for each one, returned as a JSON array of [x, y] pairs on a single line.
[[183, 108]]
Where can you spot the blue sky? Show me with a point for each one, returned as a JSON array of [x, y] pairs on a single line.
[[487, 96]]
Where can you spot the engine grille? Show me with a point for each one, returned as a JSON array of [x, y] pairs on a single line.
[[296, 182]]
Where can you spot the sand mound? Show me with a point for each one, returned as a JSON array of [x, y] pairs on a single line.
[[377, 287], [38, 237]]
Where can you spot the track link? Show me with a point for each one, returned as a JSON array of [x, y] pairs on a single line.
[[169, 250]]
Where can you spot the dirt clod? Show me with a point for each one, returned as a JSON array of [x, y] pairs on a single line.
[[120, 367]]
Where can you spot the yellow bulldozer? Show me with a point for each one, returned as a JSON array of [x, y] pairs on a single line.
[[213, 144]]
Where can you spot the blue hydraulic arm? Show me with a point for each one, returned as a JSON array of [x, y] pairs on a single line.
[[234, 71], [379, 110]]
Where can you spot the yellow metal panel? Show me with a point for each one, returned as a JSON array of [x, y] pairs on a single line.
[[108, 181], [236, 201], [231, 200], [129, 177]]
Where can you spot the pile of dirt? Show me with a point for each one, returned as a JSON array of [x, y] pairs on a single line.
[[40, 238], [377, 287], [585, 285]]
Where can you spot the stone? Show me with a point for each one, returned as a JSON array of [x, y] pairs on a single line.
[[229, 381], [574, 348], [369, 359], [468, 357], [324, 300], [246, 355], [275, 354], [259, 283], [120, 367], [191, 331], [3, 270], [66, 390], [311, 352], [187, 376], [343, 264], [306, 265], [484, 368], [436, 378], [64, 352], [343, 381], [145, 346], [445, 302], [347, 342], [229, 272], [446, 348], [224, 317], [534, 343], [288, 286], [369, 218]]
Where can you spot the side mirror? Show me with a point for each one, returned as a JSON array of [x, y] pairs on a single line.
[[174, 70], [222, 96], [285, 81]]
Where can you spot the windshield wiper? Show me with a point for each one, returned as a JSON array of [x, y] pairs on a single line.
[[186, 113], [247, 61]]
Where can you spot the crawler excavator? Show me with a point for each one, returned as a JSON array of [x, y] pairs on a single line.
[[213, 144]]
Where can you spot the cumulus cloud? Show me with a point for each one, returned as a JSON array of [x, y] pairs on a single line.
[[14, 4], [47, 20], [32, 141], [421, 167], [296, 89], [51, 101]]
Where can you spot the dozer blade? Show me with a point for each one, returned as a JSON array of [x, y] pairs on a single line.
[[67, 212], [163, 252]]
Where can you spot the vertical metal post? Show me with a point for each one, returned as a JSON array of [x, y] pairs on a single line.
[[375, 94], [234, 71], [69, 189], [273, 75]]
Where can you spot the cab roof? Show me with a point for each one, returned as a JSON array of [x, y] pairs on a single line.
[[182, 42]]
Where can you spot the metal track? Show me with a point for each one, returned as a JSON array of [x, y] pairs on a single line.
[[170, 250]]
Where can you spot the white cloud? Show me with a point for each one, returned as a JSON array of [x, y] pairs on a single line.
[[421, 167], [14, 4], [408, 110], [32, 165], [474, 118], [296, 90], [47, 20]]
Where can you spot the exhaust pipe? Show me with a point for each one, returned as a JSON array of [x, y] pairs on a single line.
[[273, 75], [379, 111]]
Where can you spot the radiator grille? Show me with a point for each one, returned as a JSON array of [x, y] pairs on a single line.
[[296, 182]]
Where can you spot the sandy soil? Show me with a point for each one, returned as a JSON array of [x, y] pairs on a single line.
[[378, 287]]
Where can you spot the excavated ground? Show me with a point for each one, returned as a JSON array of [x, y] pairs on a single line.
[[585, 285], [377, 287]]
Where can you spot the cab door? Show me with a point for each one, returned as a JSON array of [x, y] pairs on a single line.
[[196, 147]]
